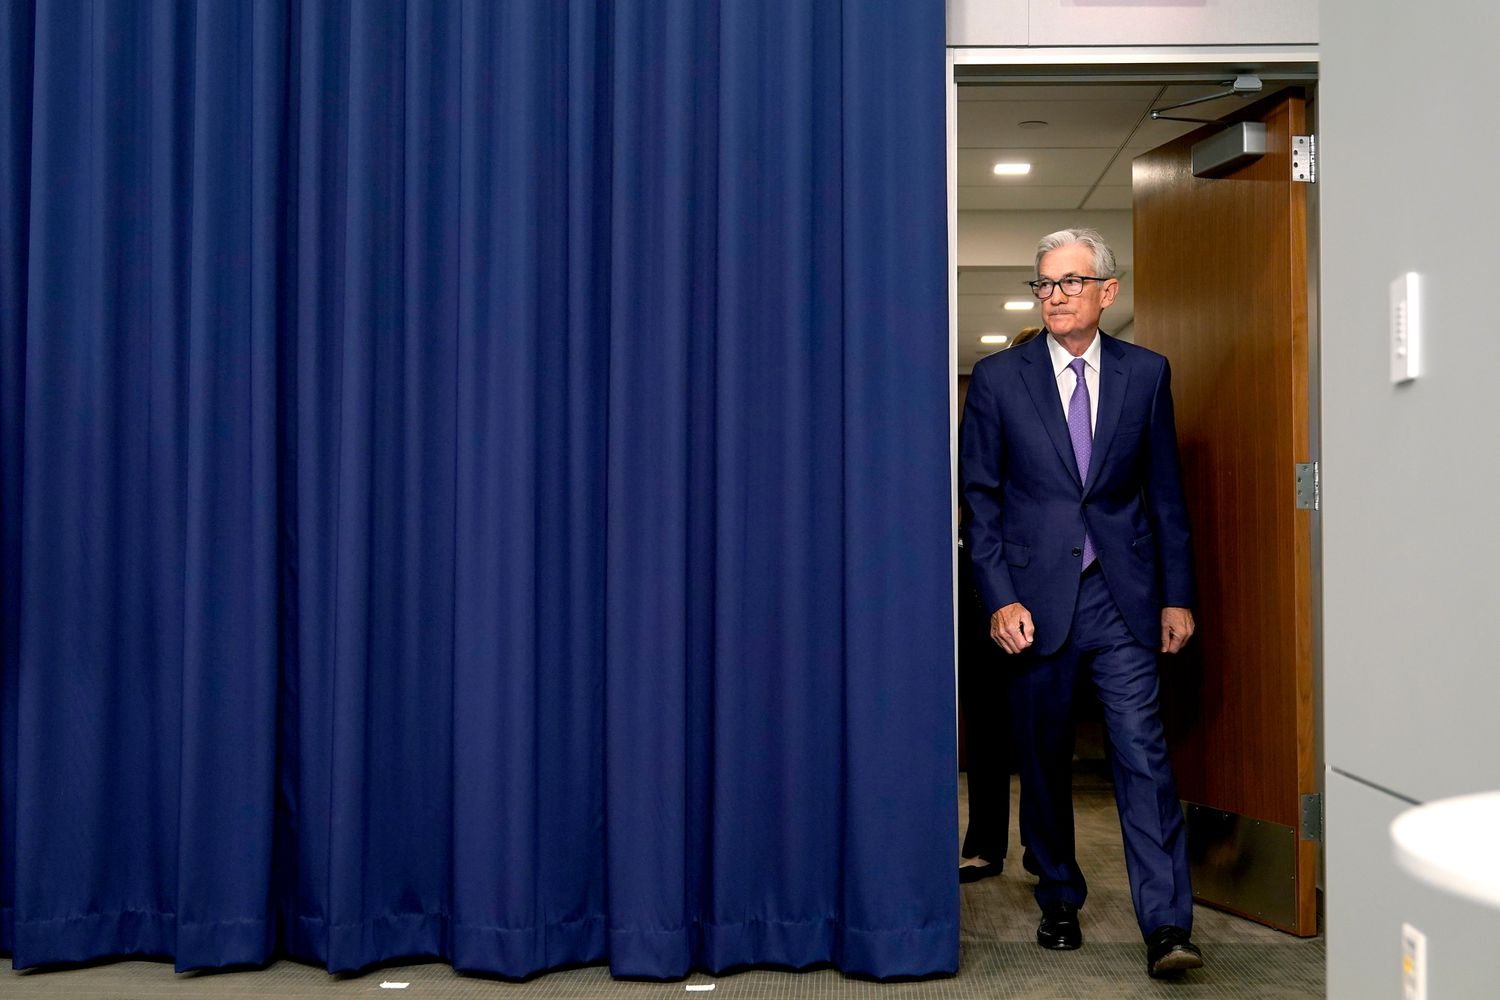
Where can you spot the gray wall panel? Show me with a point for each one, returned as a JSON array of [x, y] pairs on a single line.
[[1370, 897], [1410, 544], [1410, 547]]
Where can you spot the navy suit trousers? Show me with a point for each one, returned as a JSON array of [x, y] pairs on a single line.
[[1102, 652]]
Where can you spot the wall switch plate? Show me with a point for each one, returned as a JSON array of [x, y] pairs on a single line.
[[1413, 963], [1406, 328]]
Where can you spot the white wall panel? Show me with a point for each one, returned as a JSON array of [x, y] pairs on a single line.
[[987, 22], [1132, 22], [1173, 22]]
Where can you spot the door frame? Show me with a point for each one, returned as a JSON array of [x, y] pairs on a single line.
[[1143, 64]]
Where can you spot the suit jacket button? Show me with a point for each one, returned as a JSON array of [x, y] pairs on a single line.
[[1078, 552]]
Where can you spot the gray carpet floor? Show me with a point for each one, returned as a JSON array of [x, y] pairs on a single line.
[[999, 957]]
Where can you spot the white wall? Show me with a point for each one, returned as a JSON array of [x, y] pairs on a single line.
[[988, 22], [1132, 22], [1411, 546]]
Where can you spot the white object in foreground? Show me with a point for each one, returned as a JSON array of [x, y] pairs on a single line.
[[1450, 844]]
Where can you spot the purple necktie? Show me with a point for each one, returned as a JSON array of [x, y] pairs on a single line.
[[1082, 433]]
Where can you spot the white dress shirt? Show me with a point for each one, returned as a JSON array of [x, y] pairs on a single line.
[[1067, 381]]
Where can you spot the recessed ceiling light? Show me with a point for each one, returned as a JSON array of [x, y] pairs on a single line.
[[993, 338], [1033, 123], [1020, 305], [1012, 169]]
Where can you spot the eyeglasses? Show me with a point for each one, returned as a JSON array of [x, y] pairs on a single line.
[[1071, 285]]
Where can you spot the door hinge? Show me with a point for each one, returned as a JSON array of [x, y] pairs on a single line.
[[1305, 158], [1309, 496], [1312, 816]]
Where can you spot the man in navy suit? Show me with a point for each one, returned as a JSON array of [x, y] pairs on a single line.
[[1081, 551]]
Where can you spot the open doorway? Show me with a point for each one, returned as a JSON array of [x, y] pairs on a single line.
[[1080, 130]]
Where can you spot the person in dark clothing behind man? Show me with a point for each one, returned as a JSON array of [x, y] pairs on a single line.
[[981, 698], [982, 684]]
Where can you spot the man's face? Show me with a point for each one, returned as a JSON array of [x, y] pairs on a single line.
[[1065, 314]]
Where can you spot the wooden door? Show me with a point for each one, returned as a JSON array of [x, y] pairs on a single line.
[[1222, 290]]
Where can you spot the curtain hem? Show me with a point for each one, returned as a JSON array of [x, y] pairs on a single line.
[[69, 940], [930, 950], [514, 952]]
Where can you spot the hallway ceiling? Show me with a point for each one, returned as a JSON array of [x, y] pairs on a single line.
[[1081, 158]]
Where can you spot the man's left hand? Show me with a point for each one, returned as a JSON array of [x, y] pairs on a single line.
[[1176, 628]]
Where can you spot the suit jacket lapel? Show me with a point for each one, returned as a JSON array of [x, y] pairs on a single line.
[[1114, 375], [1042, 384]]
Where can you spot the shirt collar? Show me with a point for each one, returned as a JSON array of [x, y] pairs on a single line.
[[1061, 358]]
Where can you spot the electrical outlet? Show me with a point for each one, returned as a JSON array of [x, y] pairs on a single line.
[[1413, 963]]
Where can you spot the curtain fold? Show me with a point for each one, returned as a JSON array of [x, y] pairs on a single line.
[[474, 483], [17, 25]]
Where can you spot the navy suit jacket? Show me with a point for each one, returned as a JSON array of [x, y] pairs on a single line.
[[1028, 507]]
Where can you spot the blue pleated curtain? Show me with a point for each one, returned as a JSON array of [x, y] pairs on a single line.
[[474, 482]]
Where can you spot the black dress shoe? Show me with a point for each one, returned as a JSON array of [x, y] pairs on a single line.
[[1059, 928], [1170, 953], [978, 873]]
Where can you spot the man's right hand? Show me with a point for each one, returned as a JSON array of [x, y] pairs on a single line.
[[1011, 627]]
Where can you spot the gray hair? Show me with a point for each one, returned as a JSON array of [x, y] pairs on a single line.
[[1104, 257]]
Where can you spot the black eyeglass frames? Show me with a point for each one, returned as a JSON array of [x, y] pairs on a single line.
[[1071, 285]]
